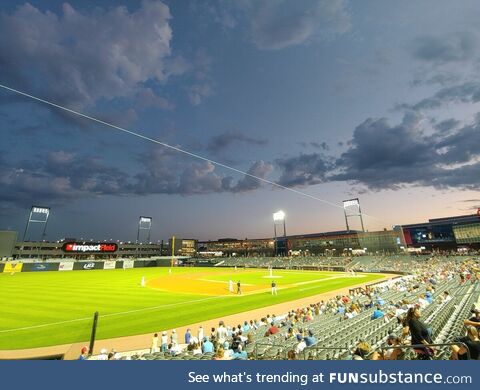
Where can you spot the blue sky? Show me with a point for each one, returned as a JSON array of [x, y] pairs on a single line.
[[338, 99]]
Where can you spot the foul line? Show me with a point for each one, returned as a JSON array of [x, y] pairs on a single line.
[[177, 149]]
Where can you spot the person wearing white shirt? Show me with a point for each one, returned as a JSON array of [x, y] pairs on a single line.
[[154, 347], [103, 354], [301, 345], [221, 333], [200, 333], [164, 342]]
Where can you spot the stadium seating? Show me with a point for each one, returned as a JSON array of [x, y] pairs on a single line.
[[337, 335]]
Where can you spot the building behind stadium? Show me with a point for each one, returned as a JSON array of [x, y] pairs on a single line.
[[459, 233]]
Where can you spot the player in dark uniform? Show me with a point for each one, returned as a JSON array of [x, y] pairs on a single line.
[[239, 288]]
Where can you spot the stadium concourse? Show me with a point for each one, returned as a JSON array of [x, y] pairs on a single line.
[[430, 313]]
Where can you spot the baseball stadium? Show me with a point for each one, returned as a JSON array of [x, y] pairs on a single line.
[[332, 295]]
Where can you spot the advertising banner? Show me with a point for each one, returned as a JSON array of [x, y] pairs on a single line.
[[81, 248], [66, 266], [260, 374], [87, 265], [90, 265], [109, 264], [40, 267], [13, 267], [128, 264]]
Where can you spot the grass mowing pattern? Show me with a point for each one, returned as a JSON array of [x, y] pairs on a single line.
[[37, 298]]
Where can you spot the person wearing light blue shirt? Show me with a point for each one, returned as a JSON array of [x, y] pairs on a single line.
[[378, 313], [239, 354], [310, 339], [207, 345]]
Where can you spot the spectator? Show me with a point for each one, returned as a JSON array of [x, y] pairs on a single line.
[[459, 352], [378, 313], [291, 355], [200, 333], [164, 342], [239, 354], [290, 334], [393, 353], [429, 298], [188, 336], [196, 350], [475, 320], [103, 354], [207, 346], [446, 297], [246, 327], [174, 349], [154, 347], [362, 351], [174, 337], [310, 339], [83, 354], [220, 355], [221, 333], [301, 344], [272, 330], [419, 333]]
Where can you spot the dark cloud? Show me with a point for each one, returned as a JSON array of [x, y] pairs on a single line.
[[77, 58], [468, 92], [166, 173], [424, 77], [223, 141], [461, 146], [382, 156], [303, 170], [258, 169], [446, 125], [58, 177], [320, 145], [275, 25], [453, 48]]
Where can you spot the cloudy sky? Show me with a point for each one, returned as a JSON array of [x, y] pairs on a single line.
[[336, 99]]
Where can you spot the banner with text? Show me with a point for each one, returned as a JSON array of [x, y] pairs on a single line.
[[13, 267], [66, 266], [109, 264]]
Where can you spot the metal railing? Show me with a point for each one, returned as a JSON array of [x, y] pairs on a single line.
[[423, 346], [314, 351]]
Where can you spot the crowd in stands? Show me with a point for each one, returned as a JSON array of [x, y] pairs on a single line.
[[428, 314]]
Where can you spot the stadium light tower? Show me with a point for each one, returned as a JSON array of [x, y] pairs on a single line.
[[278, 219], [37, 214], [351, 208]]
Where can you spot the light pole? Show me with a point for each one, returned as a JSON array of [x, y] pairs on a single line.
[[278, 219]]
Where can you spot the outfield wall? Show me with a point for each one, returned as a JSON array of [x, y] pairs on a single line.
[[80, 265]]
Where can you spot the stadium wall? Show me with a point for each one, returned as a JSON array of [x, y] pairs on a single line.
[[19, 266]]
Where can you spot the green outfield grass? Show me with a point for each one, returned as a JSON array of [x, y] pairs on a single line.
[[51, 308]]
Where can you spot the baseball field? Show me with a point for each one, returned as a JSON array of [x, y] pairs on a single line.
[[50, 308]]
